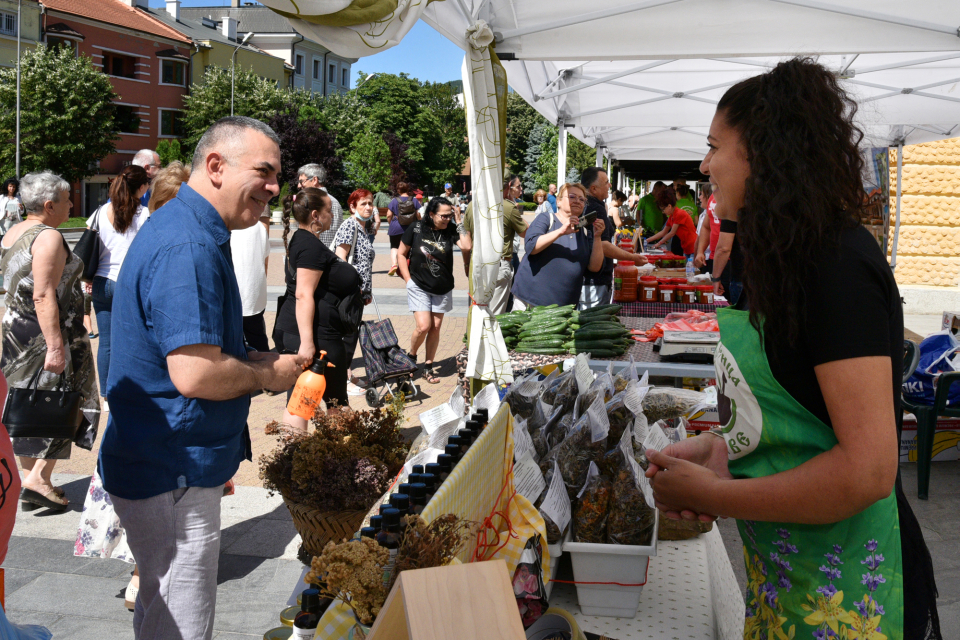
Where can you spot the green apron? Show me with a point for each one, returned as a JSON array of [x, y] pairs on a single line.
[[842, 580]]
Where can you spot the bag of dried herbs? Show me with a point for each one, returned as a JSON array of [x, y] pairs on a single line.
[[563, 392], [619, 416], [631, 521], [523, 396], [663, 403], [550, 390], [592, 507], [554, 534], [560, 432], [576, 453], [604, 382], [623, 378]]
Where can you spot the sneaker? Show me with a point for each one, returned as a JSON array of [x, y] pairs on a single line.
[[104, 407], [93, 335], [354, 390]]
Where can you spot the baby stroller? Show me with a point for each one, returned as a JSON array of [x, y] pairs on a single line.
[[389, 369]]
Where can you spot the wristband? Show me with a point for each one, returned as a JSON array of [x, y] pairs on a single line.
[[461, 229], [712, 279]]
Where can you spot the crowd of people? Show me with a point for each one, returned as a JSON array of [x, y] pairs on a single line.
[[813, 362]]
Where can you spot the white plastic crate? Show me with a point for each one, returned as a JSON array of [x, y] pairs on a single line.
[[620, 563]]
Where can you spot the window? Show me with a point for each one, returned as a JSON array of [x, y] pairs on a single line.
[[316, 69], [127, 119], [171, 72], [346, 77], [8, 23], [171, 123], [116, 64], [57, 41], [299, 65], [332, 73]]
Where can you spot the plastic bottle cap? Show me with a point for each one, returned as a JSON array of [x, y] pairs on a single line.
[[391, 518], [310, 600], [414, 478], [485, 413], [400, 501], [403, 487], [417, 468], [452, 450], [431, 469], [445, 461], [430, 479], [457, 440], [376, 522], [419, 490], [474, 425], [368, 532], [384, 507]]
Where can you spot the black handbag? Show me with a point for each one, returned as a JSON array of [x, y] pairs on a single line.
[[36, 413], [88, 248]]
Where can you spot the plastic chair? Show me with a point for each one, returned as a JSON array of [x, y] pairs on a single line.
[[927, 415]]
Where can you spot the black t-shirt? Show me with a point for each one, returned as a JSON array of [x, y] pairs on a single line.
[[431, 256], [338, 278], [734, 269], [605, 275]]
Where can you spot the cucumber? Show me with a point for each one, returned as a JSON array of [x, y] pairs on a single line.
[[586, 345], [545, 327], [585, 315], [549, 351], [602, 353], [599, 334], [551, 331], [553, 342], [597, 317], [606, 308]]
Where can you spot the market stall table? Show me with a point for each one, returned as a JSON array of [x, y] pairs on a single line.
[[649, 360]]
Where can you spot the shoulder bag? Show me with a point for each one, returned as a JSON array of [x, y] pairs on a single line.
[[36, 413], [88, 248], [407, 211]]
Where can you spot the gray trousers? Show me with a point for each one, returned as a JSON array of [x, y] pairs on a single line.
[[501, 290], [175, 538]]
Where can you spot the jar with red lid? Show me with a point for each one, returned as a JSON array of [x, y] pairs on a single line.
[[678, 281], [705, 294], [686, 294], [625, 281], [668, 293], [648, 289]]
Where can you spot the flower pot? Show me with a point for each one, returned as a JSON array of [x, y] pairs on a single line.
[[317, 528]]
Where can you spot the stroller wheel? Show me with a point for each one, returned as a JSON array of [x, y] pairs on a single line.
[[373, 400]]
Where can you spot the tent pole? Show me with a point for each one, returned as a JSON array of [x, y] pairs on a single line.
[[599, 162], [896, 228], [562, 155]]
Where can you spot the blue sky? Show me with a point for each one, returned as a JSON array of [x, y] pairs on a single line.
[[424, 53]]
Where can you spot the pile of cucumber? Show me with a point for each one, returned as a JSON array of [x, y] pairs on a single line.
[[556, 330]]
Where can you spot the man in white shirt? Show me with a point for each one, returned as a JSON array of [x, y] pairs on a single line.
[[314, 175], [251, 253]]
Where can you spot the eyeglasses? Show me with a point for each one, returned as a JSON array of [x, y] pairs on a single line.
[[447, 217], [575, 198]]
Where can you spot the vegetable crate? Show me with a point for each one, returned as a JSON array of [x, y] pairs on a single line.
[[611, 567]]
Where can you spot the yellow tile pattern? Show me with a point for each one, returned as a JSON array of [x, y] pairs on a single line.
[[939, 152], [928, 210]]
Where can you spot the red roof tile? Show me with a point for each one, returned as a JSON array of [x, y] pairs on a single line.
[[117, 13]]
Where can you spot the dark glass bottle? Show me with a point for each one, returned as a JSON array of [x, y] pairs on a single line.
[[418, 498], [453, 450], [389, 539], [484, 418], [369, 532], [446, 466], [401, 502], [414, 478], [417, 468], [305, 624], [376, 523], [434, 469], [403, 487], [389, 515], [462, 441], [384, 507], [430, 482]]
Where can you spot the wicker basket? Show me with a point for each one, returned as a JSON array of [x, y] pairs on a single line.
[[317, 528]]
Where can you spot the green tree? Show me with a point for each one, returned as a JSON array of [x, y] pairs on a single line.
[[169, 150], [209, 101], [368, 162], [521, 119], [67, 117], [444, 125], [541, 137]]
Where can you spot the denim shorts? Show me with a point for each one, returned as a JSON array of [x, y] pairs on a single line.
[[420, 300]]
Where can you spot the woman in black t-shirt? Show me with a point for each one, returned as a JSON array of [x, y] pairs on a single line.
[[428, 244], [308, 320], [808, 380]]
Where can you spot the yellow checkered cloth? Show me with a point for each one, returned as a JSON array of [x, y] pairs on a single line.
[[473, 491]]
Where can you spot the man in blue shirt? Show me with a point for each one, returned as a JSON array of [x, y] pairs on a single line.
[[150, 161], [552, 197], [180, 379]]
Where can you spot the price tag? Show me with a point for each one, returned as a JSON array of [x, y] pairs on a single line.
[[527, 479], [438, 439], [435, 418], [522, 442], [488, 398], [599, 421], [656, 439], [556, 503], [592, 473], [581, 370]]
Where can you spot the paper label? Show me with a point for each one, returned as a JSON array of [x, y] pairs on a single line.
[[632, 370], [640, 428], [647, 490], [682, 430], [645, 380], [626, 448], [522, 442], [528, 479], [488, 398], [632, 399], [582, 372], [438, 439], [556, 503], [427, 456], [435, 418], [592, 473], [656, 439], [456, 402], [599, 421], [548, 381]]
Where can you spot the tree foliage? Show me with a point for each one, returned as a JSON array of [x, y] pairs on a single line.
[[67, 117], [368, 163], [521, 120], [169, 149], [303, 141], [542, 136]]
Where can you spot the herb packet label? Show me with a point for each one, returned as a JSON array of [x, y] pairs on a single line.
[[645, 380], [427, 456], [681, 430], [632, 398], [488, 398], [437, 417], [547, 382], [581, 370], [626, 448], [522, 442], [647, 491], [656, 439], [599, 421], [640, 429], [528, 479], [438, 439], [632, 370], [556, 504], [456, 402], [592, 473]]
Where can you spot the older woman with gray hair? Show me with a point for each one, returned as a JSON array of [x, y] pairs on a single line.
[[315, 175], [43, 332]]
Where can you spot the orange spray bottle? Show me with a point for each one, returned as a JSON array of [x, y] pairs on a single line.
[[310, 387]]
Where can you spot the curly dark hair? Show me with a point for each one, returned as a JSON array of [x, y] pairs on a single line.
[[432, 207], [797, 125]]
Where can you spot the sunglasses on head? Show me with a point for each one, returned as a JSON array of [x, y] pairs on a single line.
[[446, 217]]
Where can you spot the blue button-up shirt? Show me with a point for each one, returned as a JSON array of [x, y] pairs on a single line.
[[177, 287]]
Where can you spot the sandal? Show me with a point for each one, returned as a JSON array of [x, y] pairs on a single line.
[[430, 373], [130, 593], [393, 271], [31, 500]]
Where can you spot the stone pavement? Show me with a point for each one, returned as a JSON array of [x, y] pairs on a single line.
[[80, 599]]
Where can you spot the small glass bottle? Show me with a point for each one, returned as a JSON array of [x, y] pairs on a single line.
[[401, 502], [376, 523], [418, 498], [403, 487], [462, 441], [453, 450], [417, 468], [414, 478], [369, 532], [389, 539], [305, 624], [429, 480], [446, 466], [484, 416]]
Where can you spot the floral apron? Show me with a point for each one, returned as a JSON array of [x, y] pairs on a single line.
[[842, 580]]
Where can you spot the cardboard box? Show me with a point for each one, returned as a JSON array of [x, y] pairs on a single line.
[[946, 441]]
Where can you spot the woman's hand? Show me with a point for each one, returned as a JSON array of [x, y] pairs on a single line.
[[598, 227], [704, 450], [571, 226], [306, 353], [55, 361], [717, 289], [680, 486]]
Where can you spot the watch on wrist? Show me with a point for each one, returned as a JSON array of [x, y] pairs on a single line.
[[712, 279]]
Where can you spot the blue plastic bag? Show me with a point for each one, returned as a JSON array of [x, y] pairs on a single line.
[[939, 353], [10, 631]]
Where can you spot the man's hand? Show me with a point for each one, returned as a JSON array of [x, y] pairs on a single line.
[[700, 260], [640, 259], [717, 289], [598, 227], [282, 371]]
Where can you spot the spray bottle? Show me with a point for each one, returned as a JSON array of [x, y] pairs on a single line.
[[310, 387]]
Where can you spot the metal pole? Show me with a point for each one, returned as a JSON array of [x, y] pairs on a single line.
[[562, 156], [896, 229], [19, 7], [233, 75]]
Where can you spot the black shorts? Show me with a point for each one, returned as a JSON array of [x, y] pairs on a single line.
[[336, 392], [395, 241]]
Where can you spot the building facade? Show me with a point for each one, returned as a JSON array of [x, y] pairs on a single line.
[[29, 29], [313, 67], [148, 64], [928, 249]]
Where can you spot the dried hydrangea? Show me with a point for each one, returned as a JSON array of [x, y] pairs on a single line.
[[353, 572]]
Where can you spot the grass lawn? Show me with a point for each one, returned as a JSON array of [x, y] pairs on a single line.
[[74, 223]]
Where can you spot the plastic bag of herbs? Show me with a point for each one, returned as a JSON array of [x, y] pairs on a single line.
[[562, 392], [631, 520], [663, 403], [346, 464], [592, 508], [586, 443], [523, 396], [554, 534]]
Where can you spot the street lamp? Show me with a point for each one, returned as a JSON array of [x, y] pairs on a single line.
[[233, 67], [365, 79]]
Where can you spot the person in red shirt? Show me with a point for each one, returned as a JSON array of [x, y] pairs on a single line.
[[679, 223], [709, 233]]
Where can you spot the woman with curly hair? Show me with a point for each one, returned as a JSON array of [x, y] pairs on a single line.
[[807, 454]]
